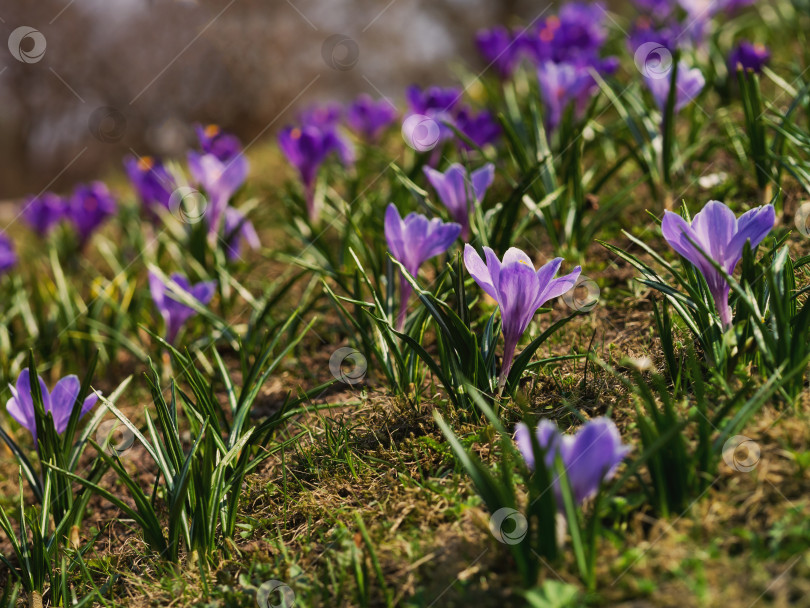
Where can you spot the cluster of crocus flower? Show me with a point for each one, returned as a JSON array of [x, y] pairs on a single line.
[[716, 234], [369, 117], [174, 312], [308, 145], [86, 209], [589, 458], [518, 289], [564, 48], [444, 106], [59, 402], [460, 190], [412, 241]]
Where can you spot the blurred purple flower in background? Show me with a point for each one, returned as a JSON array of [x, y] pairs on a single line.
[[518, 289], [480, 128], [369, 118], [722, 237], [563, 84], [151, 180], [88, 208], [459, 190], [43, 212], [59, 403], [213, 140], [412, 241], [748, 56], [8, 257], [174, 312], [689, 83], [220, 180], [500, 49], [589, 457], [306, 148], [323, 116], [238, 229]]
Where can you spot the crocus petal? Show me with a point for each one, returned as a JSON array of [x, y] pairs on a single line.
[[678, 233], [204, 291], [63, 398], [753, 225], [559, 286], [514, 255], [524, 444], [596, 452], [482, 179], [393, 232], [714, 226], [479, 271]]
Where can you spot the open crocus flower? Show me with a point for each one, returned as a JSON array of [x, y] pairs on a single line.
[[174, 312], [589, 457], [8, 257], [220, 180], [518, 289], [88, 208], [153, 183], [480, 128], [747, 56], [370, 118], [43, 212], [412, 241], [306, 149], [59, 403], [689, 83], [722, 237], [238, 229], [459, 191]]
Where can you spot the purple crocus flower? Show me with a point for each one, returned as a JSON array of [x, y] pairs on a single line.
[[238, 229], [437, 103], [562, 84], [43, 212], [480, 128], [500, 49], [88, 208], [412, 241], [689, 83], [747, 56], [8, 257], [589, 457], [369, 117], [220, 180], [174, 312], [213, 140], [306, 149], [722, 237], [518, 289], [575, 36], [153, 183], [459, 190], [59, 403], [323, 116]]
